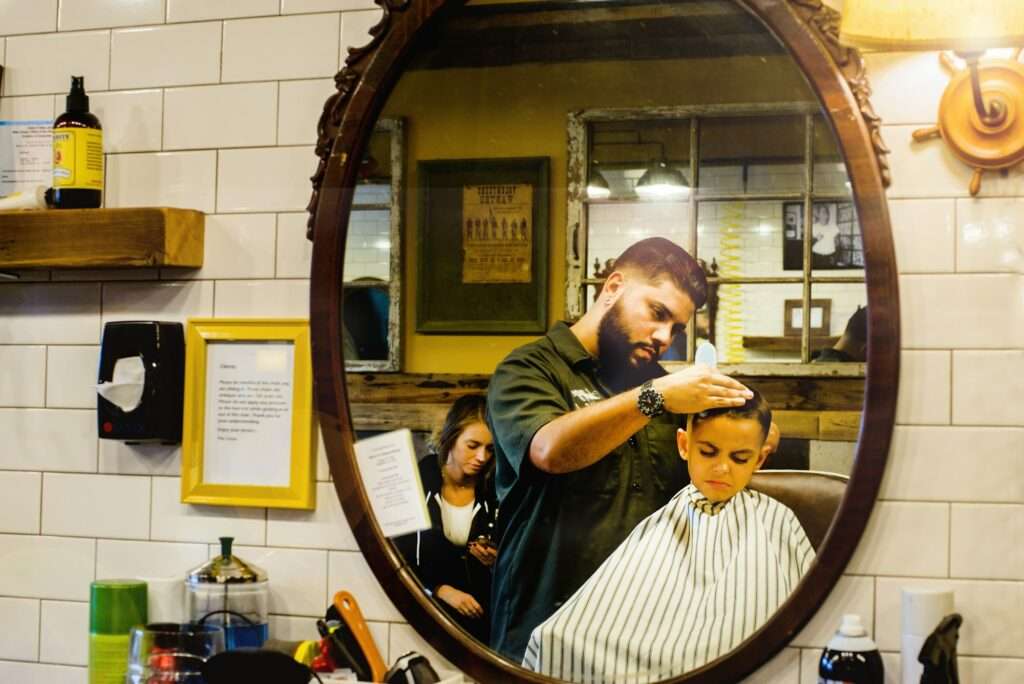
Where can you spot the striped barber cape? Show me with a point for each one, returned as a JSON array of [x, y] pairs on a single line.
[[688, 585]]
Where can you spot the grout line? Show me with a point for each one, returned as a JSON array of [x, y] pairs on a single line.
[[46, 376], [277, 240], [949, 541], [956, 236], [110, 57], [220, 53], [952, 386], [39, 636], [39, 527], [163, 117]]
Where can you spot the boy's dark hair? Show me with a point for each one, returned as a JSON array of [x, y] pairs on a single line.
[[755, 408], [471, 408], [656, 256]]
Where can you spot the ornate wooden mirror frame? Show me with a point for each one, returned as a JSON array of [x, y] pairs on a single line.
[[809, 31]]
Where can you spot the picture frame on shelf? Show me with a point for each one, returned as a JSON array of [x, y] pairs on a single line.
[[820, 317]]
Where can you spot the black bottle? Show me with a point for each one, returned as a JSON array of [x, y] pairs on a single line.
[[77, 153], [851, 657]]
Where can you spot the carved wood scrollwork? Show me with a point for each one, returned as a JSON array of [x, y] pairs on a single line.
[[824, 21], [345, 82]]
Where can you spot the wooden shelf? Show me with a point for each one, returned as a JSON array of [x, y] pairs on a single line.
[[101, 238], [786, 344]]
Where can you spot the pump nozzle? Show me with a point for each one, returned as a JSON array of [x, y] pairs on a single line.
[[77, 100]]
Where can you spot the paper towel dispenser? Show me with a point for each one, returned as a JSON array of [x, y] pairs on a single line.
[[140, 390]]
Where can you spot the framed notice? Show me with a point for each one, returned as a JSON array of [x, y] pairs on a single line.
[[247, 438], [483, 231]]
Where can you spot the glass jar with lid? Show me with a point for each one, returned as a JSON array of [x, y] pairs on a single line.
[[229, 592]]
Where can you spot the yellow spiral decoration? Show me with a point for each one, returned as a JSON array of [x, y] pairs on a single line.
[[730, 297]]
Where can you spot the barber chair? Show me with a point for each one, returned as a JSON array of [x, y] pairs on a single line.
[[812, 495]]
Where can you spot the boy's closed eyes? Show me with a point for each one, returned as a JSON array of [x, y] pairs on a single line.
[[726, 451]]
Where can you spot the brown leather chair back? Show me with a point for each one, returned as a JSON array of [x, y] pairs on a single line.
[[812, 495]]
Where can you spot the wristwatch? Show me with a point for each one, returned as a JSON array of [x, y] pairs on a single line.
[[650, 402]]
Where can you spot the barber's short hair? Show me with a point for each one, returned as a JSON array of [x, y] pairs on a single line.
[[656, 257], [755, 408]]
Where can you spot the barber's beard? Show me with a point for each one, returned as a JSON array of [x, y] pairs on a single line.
[[615, 354]]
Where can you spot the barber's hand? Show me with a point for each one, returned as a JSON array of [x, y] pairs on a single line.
[[485, 553], [699, 388], [460, 601]]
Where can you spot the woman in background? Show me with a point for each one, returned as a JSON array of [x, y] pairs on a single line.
[[453, 559]]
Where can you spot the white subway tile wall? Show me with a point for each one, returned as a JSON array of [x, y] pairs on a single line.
[[75, 15], [19, 619], [157, 71], [62, 624], [71, 375], [32, 17]]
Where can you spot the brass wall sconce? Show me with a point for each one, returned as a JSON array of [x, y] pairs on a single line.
[[981, 112]]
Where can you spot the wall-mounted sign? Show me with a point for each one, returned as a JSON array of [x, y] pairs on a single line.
[[247, 436]]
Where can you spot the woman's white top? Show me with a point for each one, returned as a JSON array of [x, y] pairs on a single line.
[[690, 583], [456, 520]]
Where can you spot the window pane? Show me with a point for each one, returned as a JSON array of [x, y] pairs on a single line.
[[752, 154], [368, 246], [741, 238], [623, 152], [842, 301], [829, 168], [365, 325], [749, 323], [836, 243], [615, 226]]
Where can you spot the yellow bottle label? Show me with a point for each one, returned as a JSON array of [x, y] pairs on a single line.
[[108, 658], [78, 158]]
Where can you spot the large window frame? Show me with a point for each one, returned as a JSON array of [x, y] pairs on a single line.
[[577, 237], [395, 128]]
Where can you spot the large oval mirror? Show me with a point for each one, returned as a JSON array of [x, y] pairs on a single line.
[[550, 204]]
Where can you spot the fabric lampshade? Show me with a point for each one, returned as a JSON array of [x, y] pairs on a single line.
[[898, 25]]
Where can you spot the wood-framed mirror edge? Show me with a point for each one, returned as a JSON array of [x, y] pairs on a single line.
[[808, 30]]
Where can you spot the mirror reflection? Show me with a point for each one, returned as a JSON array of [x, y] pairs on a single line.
[[583, 525]]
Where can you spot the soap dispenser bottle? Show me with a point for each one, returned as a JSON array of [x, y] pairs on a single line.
[[851, 657], [77, 153]]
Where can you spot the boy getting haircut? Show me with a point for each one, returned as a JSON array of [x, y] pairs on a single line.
[[692, 580]]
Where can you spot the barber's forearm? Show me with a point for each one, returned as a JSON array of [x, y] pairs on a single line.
[[582, 437]]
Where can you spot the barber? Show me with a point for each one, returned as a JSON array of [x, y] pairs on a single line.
[[584, 422]]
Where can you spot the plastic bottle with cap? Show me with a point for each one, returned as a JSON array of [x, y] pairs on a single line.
[[115, 606], [851, 657]]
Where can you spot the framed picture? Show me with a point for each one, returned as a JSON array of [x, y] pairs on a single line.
[[821, 314], [836, 240], [247, 438], [482, 245]]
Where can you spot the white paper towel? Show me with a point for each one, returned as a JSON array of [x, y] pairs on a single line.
[[166, 596], [125, 388], [921, 613]]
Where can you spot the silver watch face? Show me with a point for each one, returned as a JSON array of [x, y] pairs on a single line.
[[650, 401]]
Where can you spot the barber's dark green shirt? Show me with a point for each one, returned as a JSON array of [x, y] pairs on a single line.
[[555, 530]]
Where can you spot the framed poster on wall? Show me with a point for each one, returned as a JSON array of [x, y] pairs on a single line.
[[482, 246]]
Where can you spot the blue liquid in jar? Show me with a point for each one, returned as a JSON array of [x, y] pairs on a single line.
[[245, 636]]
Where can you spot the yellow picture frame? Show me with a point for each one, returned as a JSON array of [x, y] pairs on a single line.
[[250, 407]]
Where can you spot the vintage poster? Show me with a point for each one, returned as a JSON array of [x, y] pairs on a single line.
[[497, 235]]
